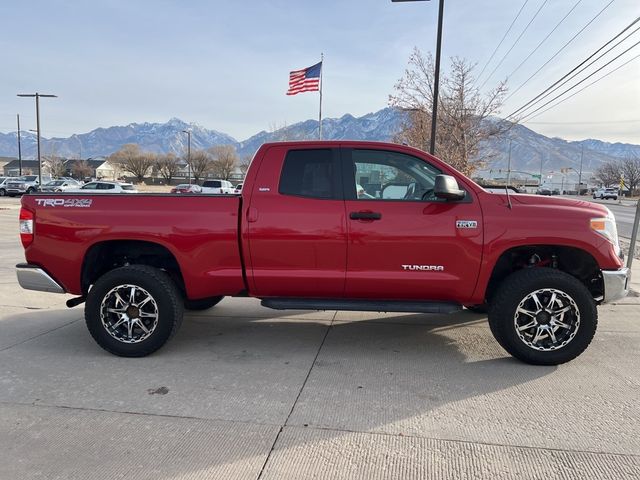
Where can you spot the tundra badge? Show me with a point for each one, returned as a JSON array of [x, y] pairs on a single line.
[[466, 224]]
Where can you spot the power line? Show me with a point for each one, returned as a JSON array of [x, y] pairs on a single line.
[[503, 37], [529, 115], [516, 42], [570, 75], [604, 122], [545, 38], [587, 86], [560, 50]]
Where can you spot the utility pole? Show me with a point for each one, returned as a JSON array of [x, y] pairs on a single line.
[[509, 166], [37, 97], [540, 180], [436, 75], [188, 132], [580, 174], [19, 147]]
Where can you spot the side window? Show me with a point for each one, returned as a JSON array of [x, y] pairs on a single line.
[[89, 186], [384, 175], [309, 173]]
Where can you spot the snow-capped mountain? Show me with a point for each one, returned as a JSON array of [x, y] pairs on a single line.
[[154, 137], [529, 149]]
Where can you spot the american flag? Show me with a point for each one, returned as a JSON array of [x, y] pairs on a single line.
[[305, 80]]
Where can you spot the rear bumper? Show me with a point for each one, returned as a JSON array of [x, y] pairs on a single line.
[[616, 284], [31, 277]]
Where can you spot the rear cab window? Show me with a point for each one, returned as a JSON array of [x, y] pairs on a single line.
[[311, 173]]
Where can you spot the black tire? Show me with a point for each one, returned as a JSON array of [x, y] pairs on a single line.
[[30, 190], [166, 310], [579, 326], [202, 304], [3, 192]]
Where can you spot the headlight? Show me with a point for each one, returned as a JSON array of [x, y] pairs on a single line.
[[606, 226]]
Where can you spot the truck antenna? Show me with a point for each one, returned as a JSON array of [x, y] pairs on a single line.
[[509, 206]]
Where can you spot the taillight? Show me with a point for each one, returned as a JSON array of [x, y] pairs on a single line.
[[26, 227]]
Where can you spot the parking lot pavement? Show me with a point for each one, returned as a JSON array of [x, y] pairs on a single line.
[[245, 392]]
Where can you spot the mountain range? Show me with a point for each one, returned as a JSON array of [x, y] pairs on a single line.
[[530, 151]]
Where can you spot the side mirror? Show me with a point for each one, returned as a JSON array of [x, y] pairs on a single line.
[[447, 188]]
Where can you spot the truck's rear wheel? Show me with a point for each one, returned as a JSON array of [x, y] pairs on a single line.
[[132, 311], [202, 304], [543, 316]]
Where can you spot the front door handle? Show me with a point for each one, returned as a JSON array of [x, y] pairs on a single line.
[[365, 216]]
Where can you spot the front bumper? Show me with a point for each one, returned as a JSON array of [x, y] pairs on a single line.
[[616, 284], [31, 277]]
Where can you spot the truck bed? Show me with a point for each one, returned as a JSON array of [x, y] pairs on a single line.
[[200, 231]]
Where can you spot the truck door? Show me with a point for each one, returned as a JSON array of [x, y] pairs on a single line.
[[403, 242], [296, 224]]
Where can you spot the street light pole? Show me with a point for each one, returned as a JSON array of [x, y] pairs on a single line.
[[37, 97], [580, 174], [436, 79], [188, 132], [19, 147]]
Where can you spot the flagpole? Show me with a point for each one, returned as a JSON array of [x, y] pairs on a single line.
[[320, 110]]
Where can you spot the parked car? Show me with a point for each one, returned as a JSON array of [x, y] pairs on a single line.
[[217, 186], [606, 193], [187, 188], [24, 184], [544, 191], [3, 186], [238, 188], [298, 237], [105, 187], [59, 186]]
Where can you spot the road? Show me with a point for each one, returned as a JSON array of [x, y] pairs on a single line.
[[243, 392], [624, 213]]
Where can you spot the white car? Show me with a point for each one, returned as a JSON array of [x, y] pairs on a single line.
[[59, 186], [217, 186], [606, 193], [105, 187], [3, 186]]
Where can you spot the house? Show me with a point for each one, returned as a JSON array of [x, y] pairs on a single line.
[[12, 168]]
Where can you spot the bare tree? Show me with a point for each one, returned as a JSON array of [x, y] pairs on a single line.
[[463, 115], [130, 158], [201, 164], [225, 160], [81, 169], [630, 169], [167, 165], [54, 164], [245, 163], [608, 174]]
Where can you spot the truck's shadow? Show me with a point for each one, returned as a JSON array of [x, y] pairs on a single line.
[[392, 373]]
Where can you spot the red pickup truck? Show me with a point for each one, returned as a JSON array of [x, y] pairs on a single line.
[[331, 226]]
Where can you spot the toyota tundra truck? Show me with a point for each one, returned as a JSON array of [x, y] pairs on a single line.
[[331, 226]]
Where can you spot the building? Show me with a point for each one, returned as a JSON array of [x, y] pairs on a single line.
[[12, 168]]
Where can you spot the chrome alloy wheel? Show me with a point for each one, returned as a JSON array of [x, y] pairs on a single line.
[[129, 313], [547, 319]]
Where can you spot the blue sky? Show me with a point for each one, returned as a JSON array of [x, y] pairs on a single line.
[[225, 64]]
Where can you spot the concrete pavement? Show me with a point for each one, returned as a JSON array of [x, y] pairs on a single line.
[[250, 393]]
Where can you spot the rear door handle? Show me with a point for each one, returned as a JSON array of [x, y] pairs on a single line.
[[365, 216]]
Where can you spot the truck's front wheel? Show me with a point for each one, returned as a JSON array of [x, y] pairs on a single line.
[[132, 311], [543, 316]]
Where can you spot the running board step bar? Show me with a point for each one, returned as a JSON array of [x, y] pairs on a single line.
[[360, 305]]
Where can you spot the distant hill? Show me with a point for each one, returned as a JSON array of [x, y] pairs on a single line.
[[529, 148]]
